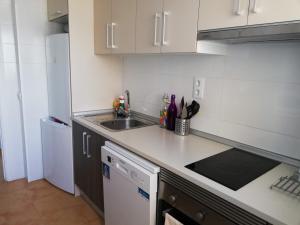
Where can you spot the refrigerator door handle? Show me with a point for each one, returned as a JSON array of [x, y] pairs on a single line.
[[84, 143]]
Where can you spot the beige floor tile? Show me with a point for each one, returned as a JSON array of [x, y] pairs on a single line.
[[99, 221], [40, 203], [20, 217], [10, 187]]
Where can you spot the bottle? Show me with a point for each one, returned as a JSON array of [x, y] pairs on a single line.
[[163, 111], [122, 102], [172, 114]]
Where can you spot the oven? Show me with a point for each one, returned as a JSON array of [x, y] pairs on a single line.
[[185, 209], [190, 204]]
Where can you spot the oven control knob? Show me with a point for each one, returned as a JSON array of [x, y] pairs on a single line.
[[172, 199], [200, 216]]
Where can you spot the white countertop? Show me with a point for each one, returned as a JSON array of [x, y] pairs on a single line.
[[173, 152]]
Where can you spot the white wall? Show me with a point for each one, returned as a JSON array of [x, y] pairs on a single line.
[[95, 80], [32, 28], [252, 95], [10, 109]]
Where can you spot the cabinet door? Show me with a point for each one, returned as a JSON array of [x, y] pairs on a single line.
[[57, 8], [215, 14], [179, 28], [94, 168], [80, 160], [148, 26], [273, 11], [123, 26], [96, 184], [102, 26]]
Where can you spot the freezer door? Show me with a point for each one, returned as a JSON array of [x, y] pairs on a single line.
[[58, 77], [58, 154]]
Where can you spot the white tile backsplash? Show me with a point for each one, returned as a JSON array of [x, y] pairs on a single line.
[[252, 95]]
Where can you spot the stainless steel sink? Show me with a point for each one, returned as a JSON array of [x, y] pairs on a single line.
[[119, 124], [123, 124]]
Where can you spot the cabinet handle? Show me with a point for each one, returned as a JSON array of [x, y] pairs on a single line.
[[107, 36], [157, 17], [83, 143], [113, 36], [58, 12], [164, 42], [237, 8], [255, 8], [88, 155]]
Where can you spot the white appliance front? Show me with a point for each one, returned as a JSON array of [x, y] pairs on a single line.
[[130, 191], [58, 77], [58, 154]]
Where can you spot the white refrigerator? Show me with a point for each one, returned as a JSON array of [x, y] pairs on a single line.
[[56, 129]]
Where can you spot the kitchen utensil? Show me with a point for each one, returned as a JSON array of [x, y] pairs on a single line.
[[184, 113], [194, 110], [181, 107]]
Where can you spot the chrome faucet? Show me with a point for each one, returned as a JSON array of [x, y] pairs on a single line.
[[128, 103]]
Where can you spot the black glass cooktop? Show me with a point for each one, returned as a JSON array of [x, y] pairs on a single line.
[[233, 168]]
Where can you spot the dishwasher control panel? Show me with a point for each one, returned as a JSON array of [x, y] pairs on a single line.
[[133, 172]]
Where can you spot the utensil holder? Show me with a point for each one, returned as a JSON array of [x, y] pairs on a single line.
[[182, 127]]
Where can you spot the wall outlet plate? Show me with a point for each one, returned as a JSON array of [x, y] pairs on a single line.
[[198, 88]]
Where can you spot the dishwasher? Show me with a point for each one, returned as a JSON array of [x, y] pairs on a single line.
[[130, 187]]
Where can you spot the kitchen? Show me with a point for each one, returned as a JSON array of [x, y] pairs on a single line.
[[244, 77]]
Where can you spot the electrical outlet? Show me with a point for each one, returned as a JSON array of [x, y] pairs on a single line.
[[199, 88]]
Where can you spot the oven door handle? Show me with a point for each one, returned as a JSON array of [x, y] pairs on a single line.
[[182, 218]]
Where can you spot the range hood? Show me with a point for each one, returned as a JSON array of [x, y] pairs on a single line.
[[275, 32]]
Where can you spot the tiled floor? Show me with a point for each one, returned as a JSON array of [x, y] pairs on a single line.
[[39, 203]]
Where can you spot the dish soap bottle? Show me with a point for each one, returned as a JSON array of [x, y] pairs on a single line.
[[172, 114], [163, 111]]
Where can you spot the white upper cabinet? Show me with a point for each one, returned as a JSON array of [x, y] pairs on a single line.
[[216, 14], [273, 11], [123, 26], [114, 26], [148, 26], [102, 26], [179, 26], [57, 9], [166, 26]]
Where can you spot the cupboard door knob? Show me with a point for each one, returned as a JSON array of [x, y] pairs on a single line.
[[83, 143]]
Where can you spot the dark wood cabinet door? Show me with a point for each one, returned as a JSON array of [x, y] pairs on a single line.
[[97, 141], [88, 164], [80, 161], [96, 184], [77, 151]]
